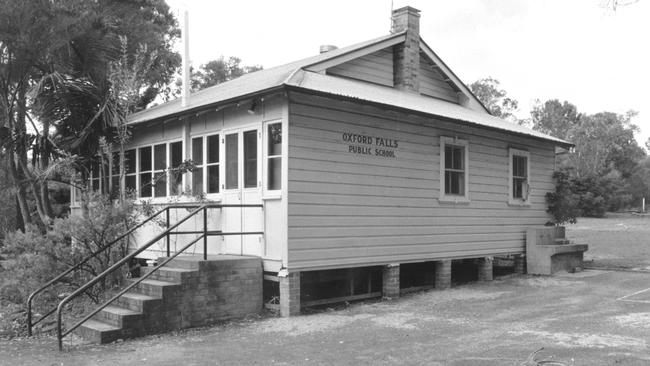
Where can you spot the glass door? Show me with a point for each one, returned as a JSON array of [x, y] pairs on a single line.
[[241, 149]]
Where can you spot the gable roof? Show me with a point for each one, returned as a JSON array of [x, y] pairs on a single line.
[[309, 75]]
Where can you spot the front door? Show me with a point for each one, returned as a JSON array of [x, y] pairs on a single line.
[[242, 185]]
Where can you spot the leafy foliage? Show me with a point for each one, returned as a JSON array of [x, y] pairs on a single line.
[[563, 203], [213, 73], [495, 99], [555, 118], [36, 257]]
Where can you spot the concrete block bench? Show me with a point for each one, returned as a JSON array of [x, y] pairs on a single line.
[[548, 251]]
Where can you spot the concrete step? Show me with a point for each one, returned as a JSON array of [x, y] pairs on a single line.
[[120, 317], [172, 274], [139, 302], [157, 288], [98, 332]]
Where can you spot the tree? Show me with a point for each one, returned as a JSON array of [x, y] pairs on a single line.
[[212, 73], [62, 49], [495, 99], [555, 118], [605, 142]]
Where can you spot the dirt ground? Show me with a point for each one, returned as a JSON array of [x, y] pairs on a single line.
[[594, 317]]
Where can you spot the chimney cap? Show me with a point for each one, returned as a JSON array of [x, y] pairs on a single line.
[[327, 47], [407, 9]]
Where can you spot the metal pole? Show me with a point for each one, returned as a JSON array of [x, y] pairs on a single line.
[[167, 227], [205, 233]]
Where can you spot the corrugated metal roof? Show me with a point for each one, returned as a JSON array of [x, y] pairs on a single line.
[[246, 84], [393, 97], [294, 75]]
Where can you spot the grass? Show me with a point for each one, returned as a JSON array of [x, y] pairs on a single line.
[[620, 240]]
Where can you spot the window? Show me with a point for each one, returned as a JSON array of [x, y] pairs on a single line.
[[130, 171], [175, 176], [274, 156], [205, 155], [250, 159], [144, 154], [454, 184], [519, 173]]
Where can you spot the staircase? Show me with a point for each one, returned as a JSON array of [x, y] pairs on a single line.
[[188, 292]]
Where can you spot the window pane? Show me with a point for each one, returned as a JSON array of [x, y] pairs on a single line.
[[275, 173], [95, 184], [160, 184], [213, 179], [129, 182], [455, 183], [275, 139], [145, 159], [449, 151], [176, 153], [129, 161], [213, 149], [457, 158], [176, 183], [160, 157], [197, 181], [232, 163], [250, 159], [197, 150], [145, 185]]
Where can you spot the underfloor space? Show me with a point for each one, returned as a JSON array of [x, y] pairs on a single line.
[[478, 324]]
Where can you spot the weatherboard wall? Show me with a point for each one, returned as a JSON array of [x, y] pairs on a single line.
[[348, 208], [375, 68]]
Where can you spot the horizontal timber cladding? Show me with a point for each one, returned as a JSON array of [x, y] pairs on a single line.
[[432, 83], [350, 205], [375, 68]]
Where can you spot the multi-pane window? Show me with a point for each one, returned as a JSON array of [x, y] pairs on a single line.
[[274, 156], [95, 176], [205, 155], [453, 169], [519, 172]]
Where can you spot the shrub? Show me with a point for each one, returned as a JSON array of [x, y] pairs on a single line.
[[563, 203], [35, 258]]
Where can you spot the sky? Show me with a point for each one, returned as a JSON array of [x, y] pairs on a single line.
[[579, 50]]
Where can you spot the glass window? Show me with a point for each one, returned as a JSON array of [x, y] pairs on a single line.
[[176, 176], [274, 156], [160, 165], [250, 159], [519, 171], [197, 158], [130, 171], [232, 162], [145, 171], [454, 170], [213, 163]]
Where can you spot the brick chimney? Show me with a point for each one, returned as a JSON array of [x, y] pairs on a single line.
[[406, 56]]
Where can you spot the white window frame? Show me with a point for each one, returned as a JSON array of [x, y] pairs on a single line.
[[453, 198], [511, 199], [266, 192], [153, 170], [204, 164]]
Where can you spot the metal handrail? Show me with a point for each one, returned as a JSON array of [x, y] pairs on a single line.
[[56, 279], [125, 290], [146, 246]]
